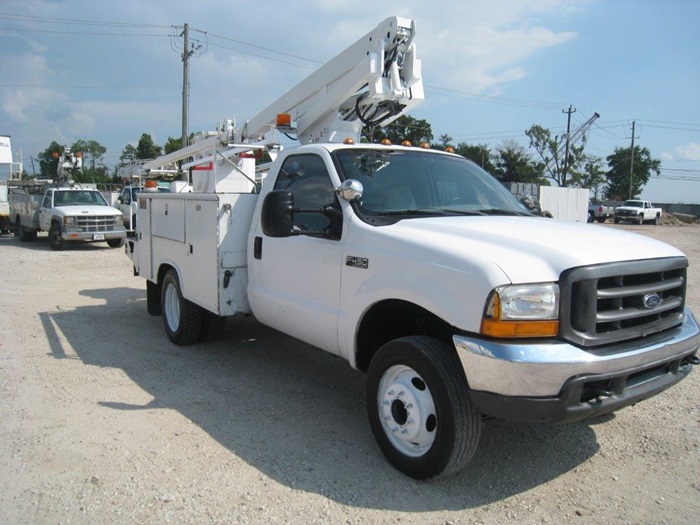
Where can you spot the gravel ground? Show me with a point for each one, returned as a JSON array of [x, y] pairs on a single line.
[[105, 422]]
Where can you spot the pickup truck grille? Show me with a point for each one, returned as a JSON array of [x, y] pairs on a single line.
[[617, 302], [97, 223], [627, 213]]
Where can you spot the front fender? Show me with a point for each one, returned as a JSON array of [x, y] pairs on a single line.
[[455, 295]]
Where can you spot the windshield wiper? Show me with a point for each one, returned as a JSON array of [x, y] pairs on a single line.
[[500, 211], [411, 212]]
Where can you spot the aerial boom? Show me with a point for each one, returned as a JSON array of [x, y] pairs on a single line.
[[372, 82]]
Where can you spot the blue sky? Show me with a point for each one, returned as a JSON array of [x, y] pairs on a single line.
[[109, 71]]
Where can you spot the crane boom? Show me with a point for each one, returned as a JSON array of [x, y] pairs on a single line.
[[371, 82]]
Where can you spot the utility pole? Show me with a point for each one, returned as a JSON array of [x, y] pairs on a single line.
[[186, 54], [568, 136], [632, 159]]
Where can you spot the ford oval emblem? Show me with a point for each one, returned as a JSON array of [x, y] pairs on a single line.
[[652, 300]]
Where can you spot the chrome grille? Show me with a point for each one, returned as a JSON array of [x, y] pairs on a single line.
[[622, 301], [96, 224]]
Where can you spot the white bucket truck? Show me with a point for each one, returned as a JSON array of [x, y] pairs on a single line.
[[414, 265]]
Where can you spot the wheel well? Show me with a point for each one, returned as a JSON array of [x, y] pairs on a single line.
[[392, 319]]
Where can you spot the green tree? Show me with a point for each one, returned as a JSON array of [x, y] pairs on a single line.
[[174, 144], [403, 128], [479, 153], [48, 164], [129, 154], [513, 164], [94, 169], [147, 149], [620, 187], [552, 152], [591, 176]]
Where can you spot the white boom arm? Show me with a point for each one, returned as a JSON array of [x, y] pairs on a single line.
[[372, 82]]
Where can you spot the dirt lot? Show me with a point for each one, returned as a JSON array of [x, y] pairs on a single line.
[[105, 422]]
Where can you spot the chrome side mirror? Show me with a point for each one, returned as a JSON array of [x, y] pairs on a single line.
[[350, 190]]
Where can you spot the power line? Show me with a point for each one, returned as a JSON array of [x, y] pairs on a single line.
[[89, 33], [73, 21]]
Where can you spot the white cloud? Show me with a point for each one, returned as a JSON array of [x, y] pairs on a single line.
[[690, 151]]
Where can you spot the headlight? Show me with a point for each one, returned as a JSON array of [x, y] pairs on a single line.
[[119, 220], [69, 221], [522, 310]]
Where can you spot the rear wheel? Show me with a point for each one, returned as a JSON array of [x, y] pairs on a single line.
[[182, 319], [601, 219], [55, 240], [419, 408], [657, 220]]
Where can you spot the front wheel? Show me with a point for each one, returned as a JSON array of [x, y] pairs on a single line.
[[640, 219], [55, 240], [419, 409], [182, 318], [115, 243]]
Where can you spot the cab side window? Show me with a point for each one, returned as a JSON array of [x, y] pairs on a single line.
[[47, 200], [307, 178]]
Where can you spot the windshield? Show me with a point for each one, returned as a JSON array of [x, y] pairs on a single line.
[[417, 183], [78, 198], [634, 204]]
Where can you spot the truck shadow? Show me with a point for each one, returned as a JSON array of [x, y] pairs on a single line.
[[296, 413]]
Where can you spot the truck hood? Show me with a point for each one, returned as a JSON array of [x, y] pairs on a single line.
[[88, 210], [530, 249], [629, 208]]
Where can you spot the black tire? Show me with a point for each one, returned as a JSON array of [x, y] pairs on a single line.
[[601, 220], [213, 327], [55, 240], [182, 319], [657, 220], [115, 243], [616, 220], [22, 233], [640, 219], [591, 217], [432, 390]]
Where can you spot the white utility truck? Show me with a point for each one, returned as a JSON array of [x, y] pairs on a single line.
[[65, 210], [414, 265]]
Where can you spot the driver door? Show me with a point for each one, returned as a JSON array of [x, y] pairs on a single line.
[[295, 281]]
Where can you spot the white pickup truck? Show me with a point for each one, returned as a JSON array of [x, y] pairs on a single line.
[[67, 214], [637, 211], [414, 265]]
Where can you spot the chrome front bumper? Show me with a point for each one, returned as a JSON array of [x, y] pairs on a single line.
[[543, 369]]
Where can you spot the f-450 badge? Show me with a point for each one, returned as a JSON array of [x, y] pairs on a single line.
[[357, 262]]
